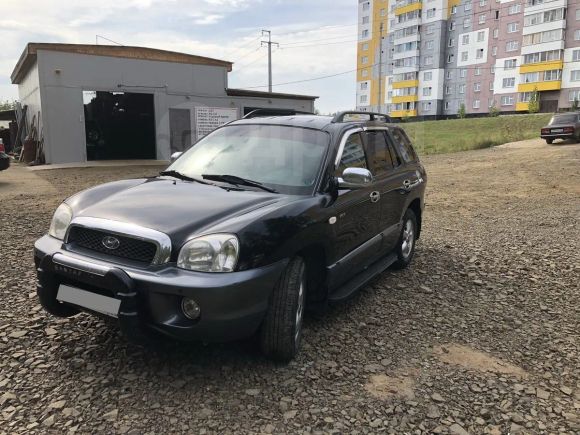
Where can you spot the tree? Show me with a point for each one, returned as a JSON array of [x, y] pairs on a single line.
[[461, 113], [534, 104], [493, 110], [7, 105]]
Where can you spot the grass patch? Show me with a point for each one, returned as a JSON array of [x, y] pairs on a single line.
[[434, 137]]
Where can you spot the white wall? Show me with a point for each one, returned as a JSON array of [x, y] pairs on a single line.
[[501, 73], [569, 66], [472, 48]]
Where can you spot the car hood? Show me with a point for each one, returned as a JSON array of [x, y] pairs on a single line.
[[177, 208]]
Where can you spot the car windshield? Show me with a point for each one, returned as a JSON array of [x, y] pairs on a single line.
[[563, 119], [283, 158]]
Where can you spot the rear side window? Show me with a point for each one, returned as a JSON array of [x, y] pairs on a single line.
[[378, 152], [353, 155], [403, 145]]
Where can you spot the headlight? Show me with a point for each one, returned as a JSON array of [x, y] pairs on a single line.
[[60, 221], [214, 253]]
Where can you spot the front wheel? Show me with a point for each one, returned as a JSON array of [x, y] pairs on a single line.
[[281, 332], [549, 141], [406, 245]]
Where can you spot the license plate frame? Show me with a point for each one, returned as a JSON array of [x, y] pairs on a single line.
[[89, 300]]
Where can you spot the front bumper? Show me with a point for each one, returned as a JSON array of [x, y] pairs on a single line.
[[232, 305]]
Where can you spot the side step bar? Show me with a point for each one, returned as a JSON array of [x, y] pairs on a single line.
[[348, 289]]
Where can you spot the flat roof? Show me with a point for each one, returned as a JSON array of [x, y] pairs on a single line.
[[260, 94], [28, 57]]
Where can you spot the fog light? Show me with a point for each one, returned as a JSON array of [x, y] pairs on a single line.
[[190, 308]]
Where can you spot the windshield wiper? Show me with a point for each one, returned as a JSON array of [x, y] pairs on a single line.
[[180, 176], [238, 181]]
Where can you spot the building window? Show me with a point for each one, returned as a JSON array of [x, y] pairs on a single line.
[[554, 74], [494, 50], [507, 100], [451, 42], [495, 33], [509, 64], [576, 55], [461, 89], [451, 25], [365, 33], [576, 35], [466, 22], [531, 77], [482, 19], [365, 73], [453, 9], [463, 73], [364, 86], [448, 90], [479, 53], [427, 106], [430, 29], [431, 12], [467, 6], [383, 12], [364, 60], [363, 99], [426, 92], [508, 82], [464, 56], [365, 20], [477, 71], [480, 36], [574, 95], [514, 9], [450, 58], [477, 87], [465, 39], [428, 60], [365, 46], [512, 27], [476, 104], [366, 6], [427, 76], [429, 45], [491, 86], [482, 3], [512, 46], [448, 105], [449, 74]]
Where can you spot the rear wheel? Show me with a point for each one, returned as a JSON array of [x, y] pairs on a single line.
[[281, 331], [549, 141], [406, 245]]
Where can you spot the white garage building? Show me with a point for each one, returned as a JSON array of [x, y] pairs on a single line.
[[100, 102]]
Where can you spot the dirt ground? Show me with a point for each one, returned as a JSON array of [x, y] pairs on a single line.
[[480, 335]]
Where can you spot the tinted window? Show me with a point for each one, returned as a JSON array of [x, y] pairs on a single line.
[[378, 152], [563, 119], [353, 155], [403, 145]]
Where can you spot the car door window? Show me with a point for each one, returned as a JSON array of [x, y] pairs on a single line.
[[353, 155], [403, 145], [380, 159]]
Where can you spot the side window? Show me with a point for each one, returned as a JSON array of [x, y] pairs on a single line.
[[353, 155], [378, 152], [403, 145]]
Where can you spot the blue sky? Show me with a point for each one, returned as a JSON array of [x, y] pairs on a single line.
[[317, 38]]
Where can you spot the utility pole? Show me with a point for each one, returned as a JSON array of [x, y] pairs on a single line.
[[380, 67], [269, 43]]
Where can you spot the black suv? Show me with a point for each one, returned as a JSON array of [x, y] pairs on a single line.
[[256, 221]]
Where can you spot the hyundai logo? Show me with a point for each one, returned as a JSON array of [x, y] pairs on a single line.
[[110, 242]]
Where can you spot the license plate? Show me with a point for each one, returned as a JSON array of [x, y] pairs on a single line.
[[557, 130], [91, 301]]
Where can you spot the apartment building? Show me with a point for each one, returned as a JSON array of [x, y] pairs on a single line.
[[430, 57]]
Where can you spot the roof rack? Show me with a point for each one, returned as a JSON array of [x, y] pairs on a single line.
[[274, 112], [339, 117]]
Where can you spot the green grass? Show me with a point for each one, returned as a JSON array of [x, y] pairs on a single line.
[[434, 137]]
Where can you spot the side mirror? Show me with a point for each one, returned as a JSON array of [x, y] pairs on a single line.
[[175, 156], [355, 178]]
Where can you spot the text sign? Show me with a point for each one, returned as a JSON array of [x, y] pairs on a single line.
[[207, 119]]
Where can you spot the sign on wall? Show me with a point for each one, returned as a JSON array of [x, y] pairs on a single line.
[[207, 119]]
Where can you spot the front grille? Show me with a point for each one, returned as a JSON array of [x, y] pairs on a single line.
[[128, 248]]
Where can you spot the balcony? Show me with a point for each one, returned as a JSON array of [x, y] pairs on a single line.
[[408, 7], [405, 99], [541, 66], [522, 107], [403, 113], [553, 85], [406, 84]]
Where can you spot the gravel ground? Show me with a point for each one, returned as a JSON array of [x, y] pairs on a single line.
[[480, 335]]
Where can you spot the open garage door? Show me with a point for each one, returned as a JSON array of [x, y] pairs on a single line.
[[119, 125]]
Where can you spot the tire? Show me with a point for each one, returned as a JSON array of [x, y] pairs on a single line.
[[407, 240], [549, 141], [281, 332]]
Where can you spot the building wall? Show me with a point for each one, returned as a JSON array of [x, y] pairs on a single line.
[[476, 73], [29, 91], [62, 78]]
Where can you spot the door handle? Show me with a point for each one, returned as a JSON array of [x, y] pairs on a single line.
[[406, 184], [375, 196]]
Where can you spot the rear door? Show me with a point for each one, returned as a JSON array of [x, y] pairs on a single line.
[[355, 226], [389, 176]]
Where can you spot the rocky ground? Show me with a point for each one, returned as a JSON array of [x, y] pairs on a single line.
[[480, 335]]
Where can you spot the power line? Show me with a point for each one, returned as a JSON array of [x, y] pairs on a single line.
[[97, 37]]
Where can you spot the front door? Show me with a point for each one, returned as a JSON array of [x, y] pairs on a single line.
[[179, 129], [355, 218]]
